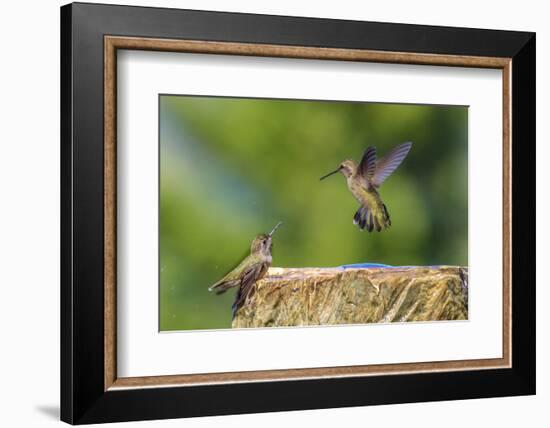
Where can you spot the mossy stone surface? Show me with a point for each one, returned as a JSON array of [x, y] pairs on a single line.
[[328, 296]]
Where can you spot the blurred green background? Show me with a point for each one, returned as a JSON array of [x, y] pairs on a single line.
[[231, 168]]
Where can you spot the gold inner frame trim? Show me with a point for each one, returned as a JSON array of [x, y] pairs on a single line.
[[113, 43]]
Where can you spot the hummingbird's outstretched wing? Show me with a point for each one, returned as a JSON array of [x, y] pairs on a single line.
[[367, 166], [246, 290], [389, 163]]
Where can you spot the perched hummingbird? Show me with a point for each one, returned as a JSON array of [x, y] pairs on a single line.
[[365, 180], [251, 269]]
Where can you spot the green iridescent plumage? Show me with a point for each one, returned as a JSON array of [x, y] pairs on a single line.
[[365, 179], [251, 269]]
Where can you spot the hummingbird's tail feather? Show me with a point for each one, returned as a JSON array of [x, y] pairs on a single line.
[[387, 216], [222, 286], [360, 217], [237, 304], [218, 288], [372, 219], [246, 291]]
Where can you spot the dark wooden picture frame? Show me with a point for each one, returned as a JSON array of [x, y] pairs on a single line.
[[90, 389]]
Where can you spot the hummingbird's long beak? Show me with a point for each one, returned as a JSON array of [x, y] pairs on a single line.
[[275, 228], [329, 174]]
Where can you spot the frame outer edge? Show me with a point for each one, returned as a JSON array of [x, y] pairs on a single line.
[[523, 219], [82, 400], [66, 304]]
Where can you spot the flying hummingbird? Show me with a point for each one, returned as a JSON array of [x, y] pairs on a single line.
[[364, 181], [251, 269]]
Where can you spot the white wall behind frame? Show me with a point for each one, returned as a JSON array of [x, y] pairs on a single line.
[[30, 268]]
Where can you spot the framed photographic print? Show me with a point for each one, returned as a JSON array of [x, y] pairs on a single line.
[[265, 213]]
